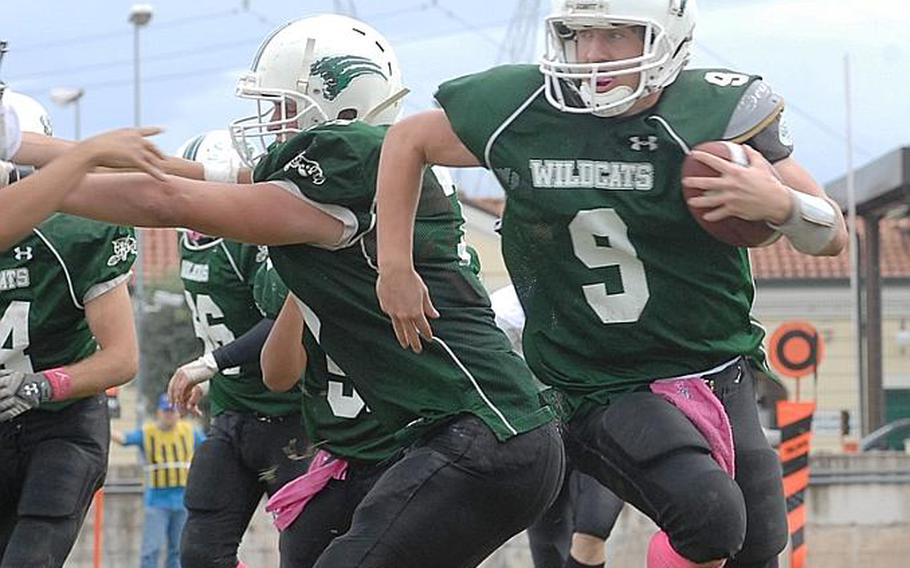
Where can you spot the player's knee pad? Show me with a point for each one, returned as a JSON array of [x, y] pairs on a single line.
[[709, 518], [61, 481], [760, 481]]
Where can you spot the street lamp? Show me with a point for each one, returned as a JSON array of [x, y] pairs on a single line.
[[65, 96], [140, 16]]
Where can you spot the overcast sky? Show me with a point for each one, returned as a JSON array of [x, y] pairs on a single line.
[[193, 51]]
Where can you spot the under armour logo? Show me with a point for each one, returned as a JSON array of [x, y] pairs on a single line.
[[23, 253], [30, 390], [638, 143]]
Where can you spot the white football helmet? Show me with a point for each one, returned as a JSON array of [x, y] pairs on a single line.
[[214, 146], [213, 149], [571, 86], [332, 67], [33, 117]]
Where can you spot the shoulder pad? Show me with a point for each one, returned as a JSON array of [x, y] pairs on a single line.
[[758, 107]]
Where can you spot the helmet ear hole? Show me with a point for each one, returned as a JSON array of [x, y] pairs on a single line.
[[348, 114]]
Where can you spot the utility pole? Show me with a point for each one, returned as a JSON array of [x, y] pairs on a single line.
[[520, 42], [140, 16], [346, 7]]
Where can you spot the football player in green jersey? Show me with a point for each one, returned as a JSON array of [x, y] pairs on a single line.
[[66, 335], [349, 438], [257, 442], [621, 287], [483, 446]]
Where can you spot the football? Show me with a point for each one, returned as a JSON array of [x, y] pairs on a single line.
[[732, 230]]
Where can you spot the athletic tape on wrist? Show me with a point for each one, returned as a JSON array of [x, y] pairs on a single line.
[[209, 361], [812, 224], [220, 172], [61, 383]]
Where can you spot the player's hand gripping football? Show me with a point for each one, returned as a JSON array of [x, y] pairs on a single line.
[[752, 192], [405, 299], [125, 148], [189, 384]]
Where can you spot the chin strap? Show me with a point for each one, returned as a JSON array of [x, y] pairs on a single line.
[[392, 100], [595, 99]]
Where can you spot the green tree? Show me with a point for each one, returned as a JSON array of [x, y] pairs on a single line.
[[168, 340]]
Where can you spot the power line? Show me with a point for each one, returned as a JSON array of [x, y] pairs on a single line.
[[222, 69], [465, 24], [422, 7], [795, 109], [78, 40], [520, 42], [166, 56], [223, 46], [347, 7], [172, 55]]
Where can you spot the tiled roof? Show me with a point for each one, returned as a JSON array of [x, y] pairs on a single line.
[[781, 262]]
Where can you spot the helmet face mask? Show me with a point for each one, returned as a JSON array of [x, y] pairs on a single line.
[[571, 85], [276, 120], [330, 67]]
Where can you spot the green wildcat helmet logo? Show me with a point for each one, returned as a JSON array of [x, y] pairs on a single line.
[[338, 72]]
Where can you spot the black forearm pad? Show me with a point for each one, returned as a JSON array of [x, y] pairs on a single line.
[[245, 349]]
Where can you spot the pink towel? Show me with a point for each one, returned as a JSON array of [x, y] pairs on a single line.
[[693, 397], [288, 502]]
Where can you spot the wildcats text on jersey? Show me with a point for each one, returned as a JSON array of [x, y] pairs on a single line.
[[589, 174], [194, 272], [14, 278]]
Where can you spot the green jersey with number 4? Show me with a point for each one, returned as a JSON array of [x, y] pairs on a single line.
[[335, 416], [218, 283], [619, 284], [469, 367], [46, 280]]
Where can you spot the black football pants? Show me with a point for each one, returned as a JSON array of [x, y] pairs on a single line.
[[329, 514], [648, 453], [584, 506], [452, 499], [51, 464], [244, 457]]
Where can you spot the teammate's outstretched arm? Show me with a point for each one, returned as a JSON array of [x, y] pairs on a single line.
[[261, 213], [110, 319], [283, 357], [410, 145], [26, 203]]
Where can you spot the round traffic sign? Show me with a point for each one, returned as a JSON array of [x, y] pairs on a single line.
[[796, 349]]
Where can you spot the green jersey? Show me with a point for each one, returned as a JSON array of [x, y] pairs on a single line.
[[469, 367], [218, 278], [334, 414], [619, 283], [46, 280]]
